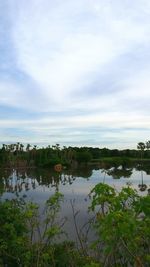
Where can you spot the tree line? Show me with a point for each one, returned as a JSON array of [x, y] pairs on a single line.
[[30, 155]]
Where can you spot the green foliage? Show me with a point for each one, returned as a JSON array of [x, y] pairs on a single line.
[[141, 146], [17, 155], [121, 224], [25, 237], [51, 162], [83, 156], [93, 264], [29, 236], [13, 240], [102, 194]]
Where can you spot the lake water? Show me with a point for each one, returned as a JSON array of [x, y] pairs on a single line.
[[38, 185]]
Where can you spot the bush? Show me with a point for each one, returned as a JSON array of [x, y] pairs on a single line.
[[122, 226]]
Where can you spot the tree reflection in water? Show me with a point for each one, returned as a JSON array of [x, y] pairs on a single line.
[[15, 181], [143, 168], [117, 173]]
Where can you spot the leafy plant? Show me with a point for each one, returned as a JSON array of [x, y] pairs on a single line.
[[121, 224], [13, 230], [30, 237]]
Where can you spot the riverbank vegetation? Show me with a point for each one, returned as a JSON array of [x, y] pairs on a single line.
[[30, 236], [18, 155], [120, 220]]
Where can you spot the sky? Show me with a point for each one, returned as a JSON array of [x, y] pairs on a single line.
[[75, 73]]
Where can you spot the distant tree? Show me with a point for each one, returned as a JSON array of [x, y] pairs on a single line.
[[83, 156], [147, 145], [4, 147], [28, 147], [141, 146], [21, 147]]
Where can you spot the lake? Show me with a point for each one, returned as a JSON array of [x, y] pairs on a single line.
[[38, 185]]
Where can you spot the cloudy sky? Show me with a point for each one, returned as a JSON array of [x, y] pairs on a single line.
[[75, 72]]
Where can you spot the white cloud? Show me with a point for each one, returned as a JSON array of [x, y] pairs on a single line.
[[62, 55], [109, 120], [66, 49], [10, 94]]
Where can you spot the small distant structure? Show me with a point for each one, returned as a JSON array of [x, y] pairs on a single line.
[[58, 167]]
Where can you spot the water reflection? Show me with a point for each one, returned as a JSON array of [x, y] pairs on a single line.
[[38, 184], [16, 181], [117, 173], [143, 168]]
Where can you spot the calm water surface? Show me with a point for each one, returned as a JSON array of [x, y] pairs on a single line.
[[38, 185]]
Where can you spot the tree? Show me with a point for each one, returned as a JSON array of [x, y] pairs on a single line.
[[141, 146], [122, 226], [28, 147], [83, 156], [147, 145]]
